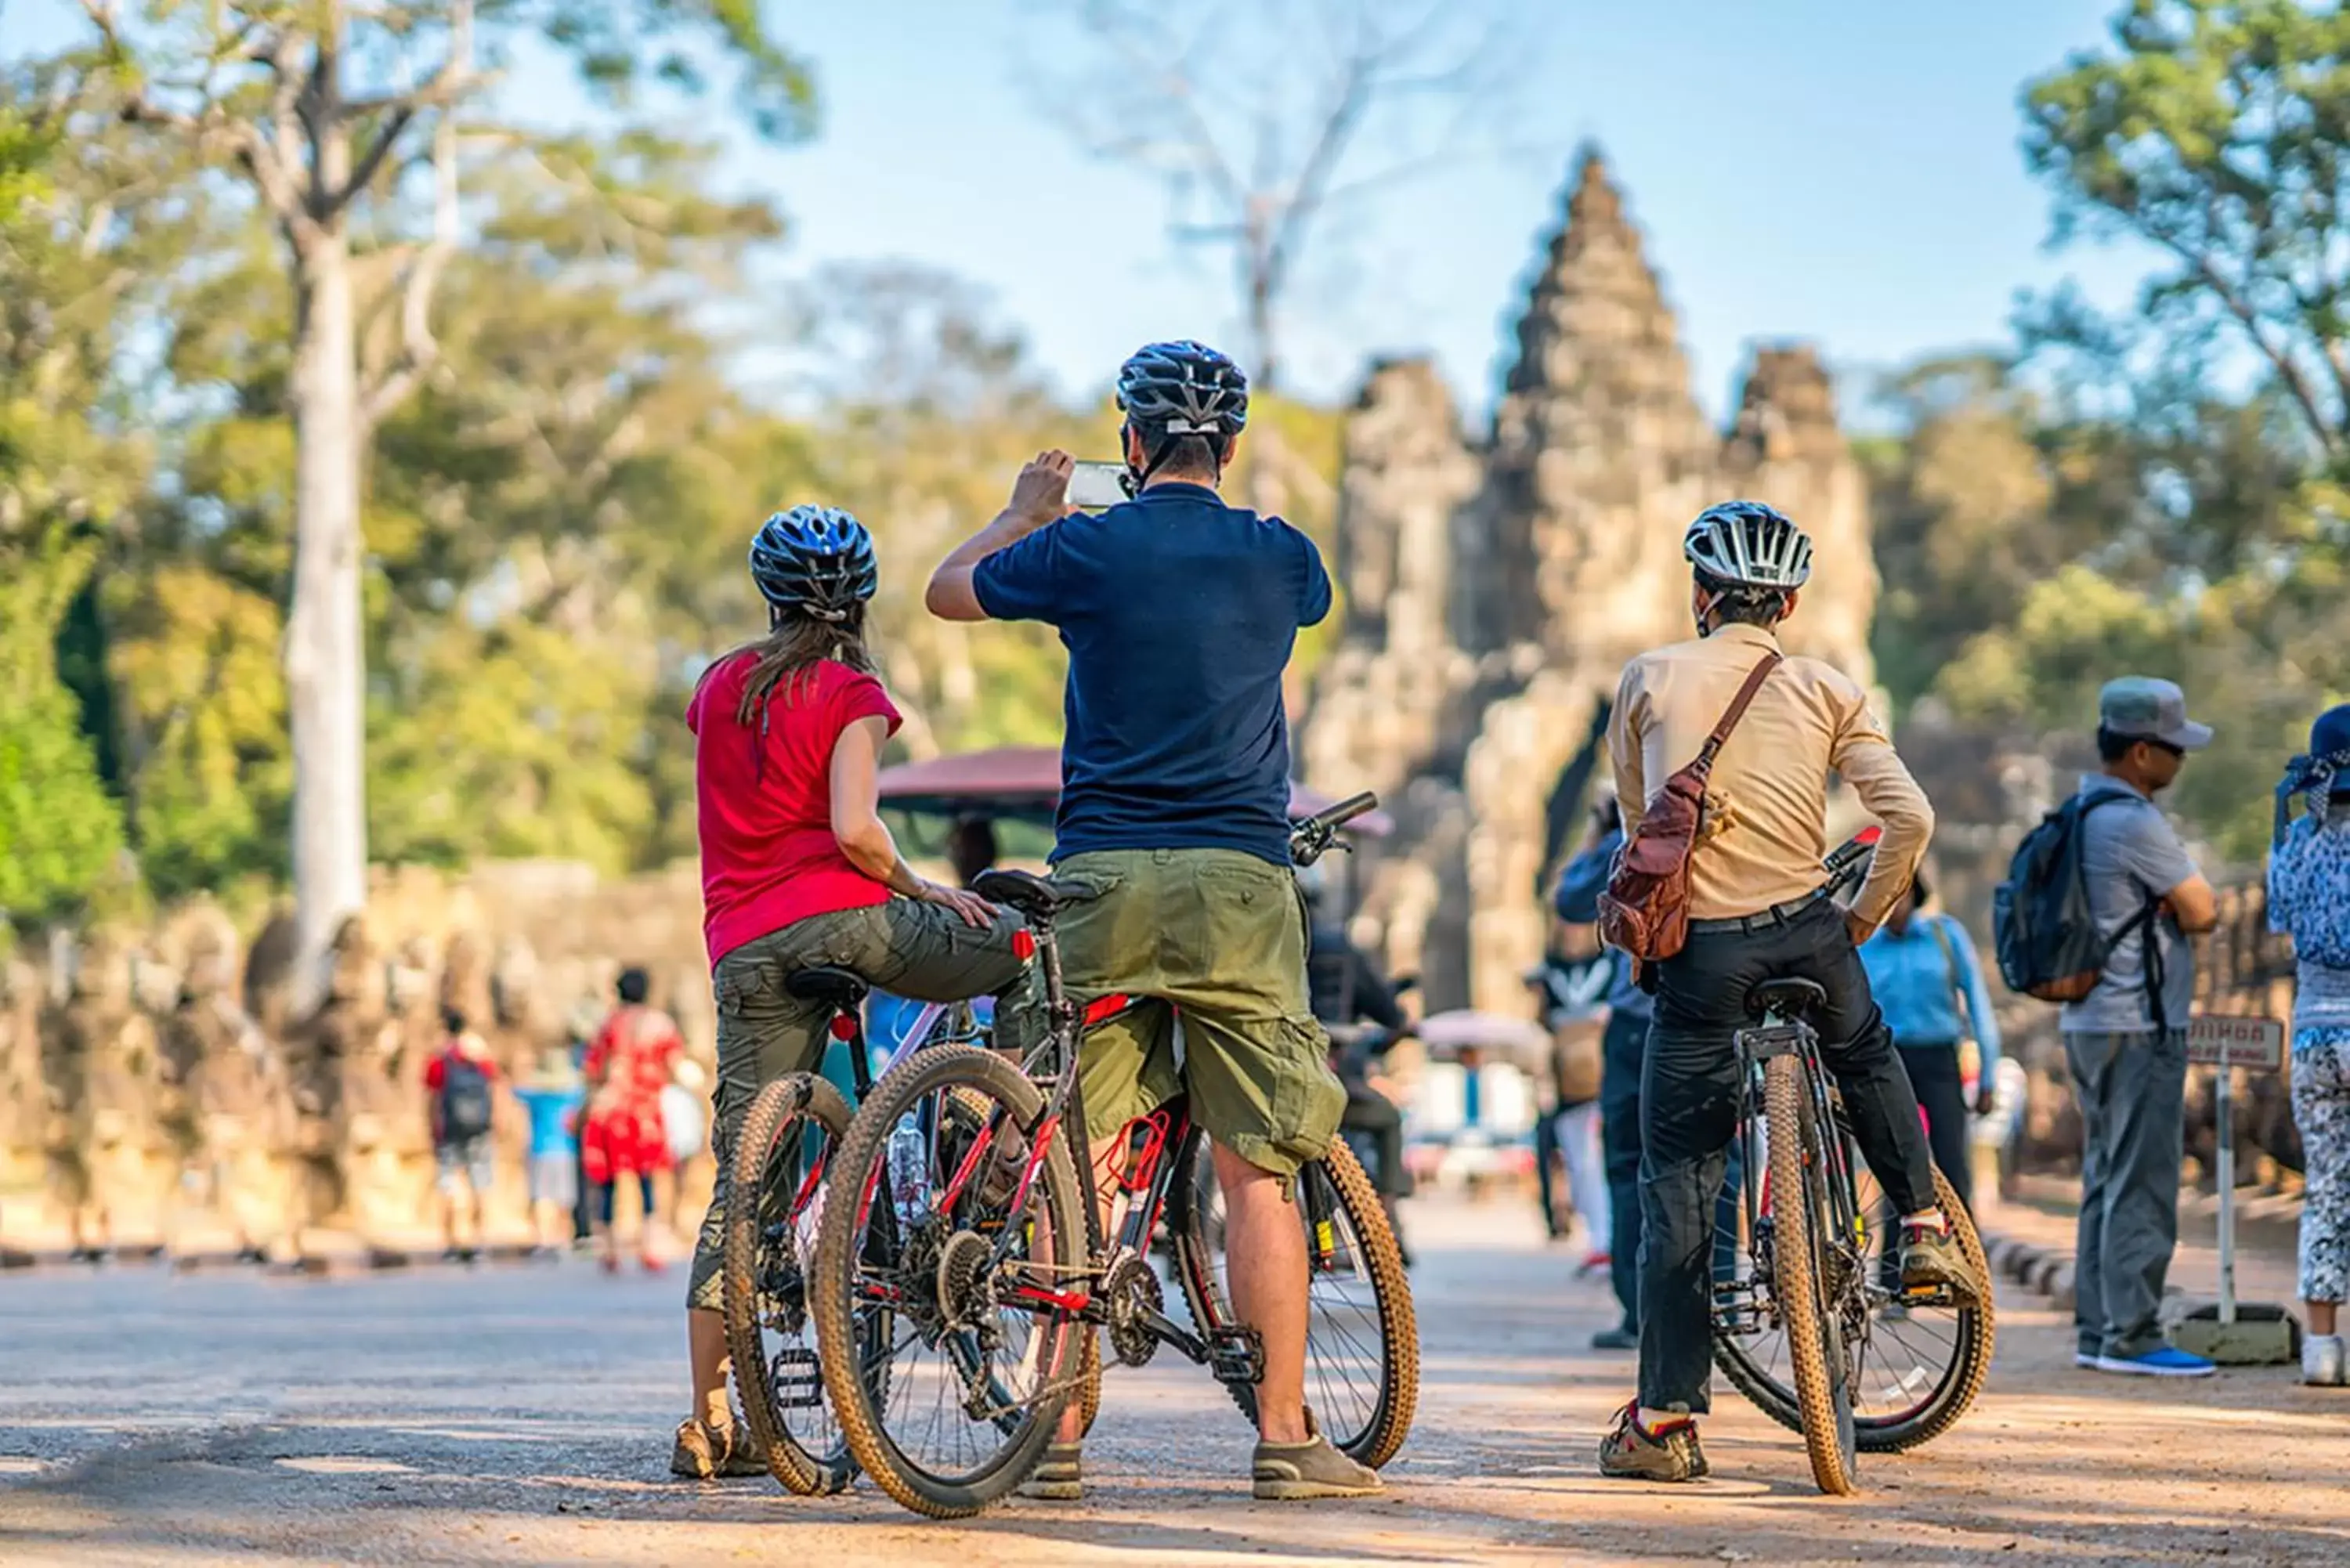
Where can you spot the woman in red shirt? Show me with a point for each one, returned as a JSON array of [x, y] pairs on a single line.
[[634, 1058], [799, 870]]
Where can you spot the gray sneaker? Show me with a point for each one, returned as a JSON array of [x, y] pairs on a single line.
[[1632, 1452], [1060, 1479], [1930, 1258], [2323, 1361], [1292, 1472]]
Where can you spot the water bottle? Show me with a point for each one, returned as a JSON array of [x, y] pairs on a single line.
[[910, 1178]]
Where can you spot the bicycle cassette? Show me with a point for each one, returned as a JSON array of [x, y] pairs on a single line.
[[966, 1285], [1135, 1302]]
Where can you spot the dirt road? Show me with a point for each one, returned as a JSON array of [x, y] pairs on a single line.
[[523, 1415]]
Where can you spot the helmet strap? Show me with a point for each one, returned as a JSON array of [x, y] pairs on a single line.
[[1133, 482]]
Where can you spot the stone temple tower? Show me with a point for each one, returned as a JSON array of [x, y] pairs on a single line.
[[1559, 558]]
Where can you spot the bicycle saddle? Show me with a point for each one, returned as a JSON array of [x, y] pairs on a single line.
[[1038, 897], [1788, 999], [838, 987]]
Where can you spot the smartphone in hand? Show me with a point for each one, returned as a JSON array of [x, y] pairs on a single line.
[[1094, 486]]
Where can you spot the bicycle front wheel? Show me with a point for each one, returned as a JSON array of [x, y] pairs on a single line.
[[968, 1257], [1800, 1243], [774, 1206], [1362, 1338]]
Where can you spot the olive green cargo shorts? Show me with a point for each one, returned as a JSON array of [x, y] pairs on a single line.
[[1220, 937]]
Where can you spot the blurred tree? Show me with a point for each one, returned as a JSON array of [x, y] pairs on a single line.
[[72, 257], [2209, 431], [322, 109], [1268, 122], [2219, 131]]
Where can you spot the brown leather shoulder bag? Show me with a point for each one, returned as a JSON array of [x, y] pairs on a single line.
[[1645, 910]]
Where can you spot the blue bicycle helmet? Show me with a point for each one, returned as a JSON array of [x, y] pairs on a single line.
[[1182, 389], [815, 560]]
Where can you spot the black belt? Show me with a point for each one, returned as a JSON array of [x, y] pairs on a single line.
[[1777, 915]]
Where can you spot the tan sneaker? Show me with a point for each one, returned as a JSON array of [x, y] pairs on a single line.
[[704, 1452], [1294, 1472]]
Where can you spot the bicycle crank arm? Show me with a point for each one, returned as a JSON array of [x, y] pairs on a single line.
[[1168, 1331]]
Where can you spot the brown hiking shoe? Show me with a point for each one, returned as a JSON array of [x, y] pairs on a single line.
[[1294, 1472], [1932, 1258], [1633, 1452], [704, 1452], [1060, 1478]]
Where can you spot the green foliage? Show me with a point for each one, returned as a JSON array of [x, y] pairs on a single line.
[[2218, 130], [63, 479]]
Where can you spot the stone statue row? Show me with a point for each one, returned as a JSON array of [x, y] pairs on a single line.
[[187, 1104]]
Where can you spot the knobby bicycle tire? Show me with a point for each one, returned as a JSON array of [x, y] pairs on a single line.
[[1055, 1192], [1954, 1394], [1796, 1278], [773, 1115], [1378, 1438]]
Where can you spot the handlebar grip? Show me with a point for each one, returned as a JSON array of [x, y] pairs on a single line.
[[1344, 811]]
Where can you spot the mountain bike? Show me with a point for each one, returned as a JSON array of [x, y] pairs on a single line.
[[958, 1235], [782, 1154], [1816, 1329]]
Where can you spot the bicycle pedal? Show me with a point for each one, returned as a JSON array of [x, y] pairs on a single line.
[[794, 1381], [1236, 1355]]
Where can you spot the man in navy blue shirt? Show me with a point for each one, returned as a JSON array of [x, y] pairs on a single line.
[[1179, 614]]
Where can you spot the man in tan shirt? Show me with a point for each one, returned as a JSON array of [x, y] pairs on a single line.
[[1758, 910]]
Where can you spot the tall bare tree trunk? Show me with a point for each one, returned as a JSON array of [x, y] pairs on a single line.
[[325, 655]]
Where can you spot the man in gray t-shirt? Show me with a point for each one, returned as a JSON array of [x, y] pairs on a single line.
[[2132, 857], [2126, 1043]]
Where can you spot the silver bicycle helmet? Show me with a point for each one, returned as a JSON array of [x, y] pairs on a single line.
[[1749, 545]]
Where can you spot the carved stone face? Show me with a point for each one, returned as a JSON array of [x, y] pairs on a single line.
[[357, 979], [102, 971]]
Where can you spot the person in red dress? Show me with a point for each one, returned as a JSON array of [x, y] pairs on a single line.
[[798, 870], [631, 1061]]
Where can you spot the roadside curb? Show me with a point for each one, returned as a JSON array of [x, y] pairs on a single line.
[[2042, 1270]]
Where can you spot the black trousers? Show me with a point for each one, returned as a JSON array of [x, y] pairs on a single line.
[[1623, 1047], [1374, 1116], [1689, 1093], [1942, 1095]]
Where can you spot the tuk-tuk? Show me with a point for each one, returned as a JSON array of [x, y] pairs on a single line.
[[1472, 1118]]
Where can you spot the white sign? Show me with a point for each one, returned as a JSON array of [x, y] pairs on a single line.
[[2255, 1043]]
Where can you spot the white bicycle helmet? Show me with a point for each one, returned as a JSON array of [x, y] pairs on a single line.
[[1751, 544]]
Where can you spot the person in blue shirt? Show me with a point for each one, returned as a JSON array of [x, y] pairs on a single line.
[[1923, 971], [552, 1099], [1179, 614], [1624, 1046]]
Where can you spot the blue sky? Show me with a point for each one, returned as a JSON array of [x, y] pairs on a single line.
[[1841, 170]]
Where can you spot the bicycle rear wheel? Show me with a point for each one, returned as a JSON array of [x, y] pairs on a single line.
[[774, 1206], [1362, 1339], [1800, 1239], [971, 1267], [1917, 1370]]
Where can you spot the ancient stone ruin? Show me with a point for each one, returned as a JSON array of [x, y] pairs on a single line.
[[1495, 586]]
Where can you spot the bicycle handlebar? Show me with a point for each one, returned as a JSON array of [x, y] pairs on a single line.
[[1310, 837], [1849, 861]]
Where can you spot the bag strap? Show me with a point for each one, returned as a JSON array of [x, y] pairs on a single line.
[[1960, 1010], [1736, 710]]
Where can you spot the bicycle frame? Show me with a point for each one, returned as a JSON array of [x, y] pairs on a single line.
[[1742, 1302], [1231, 1351]]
